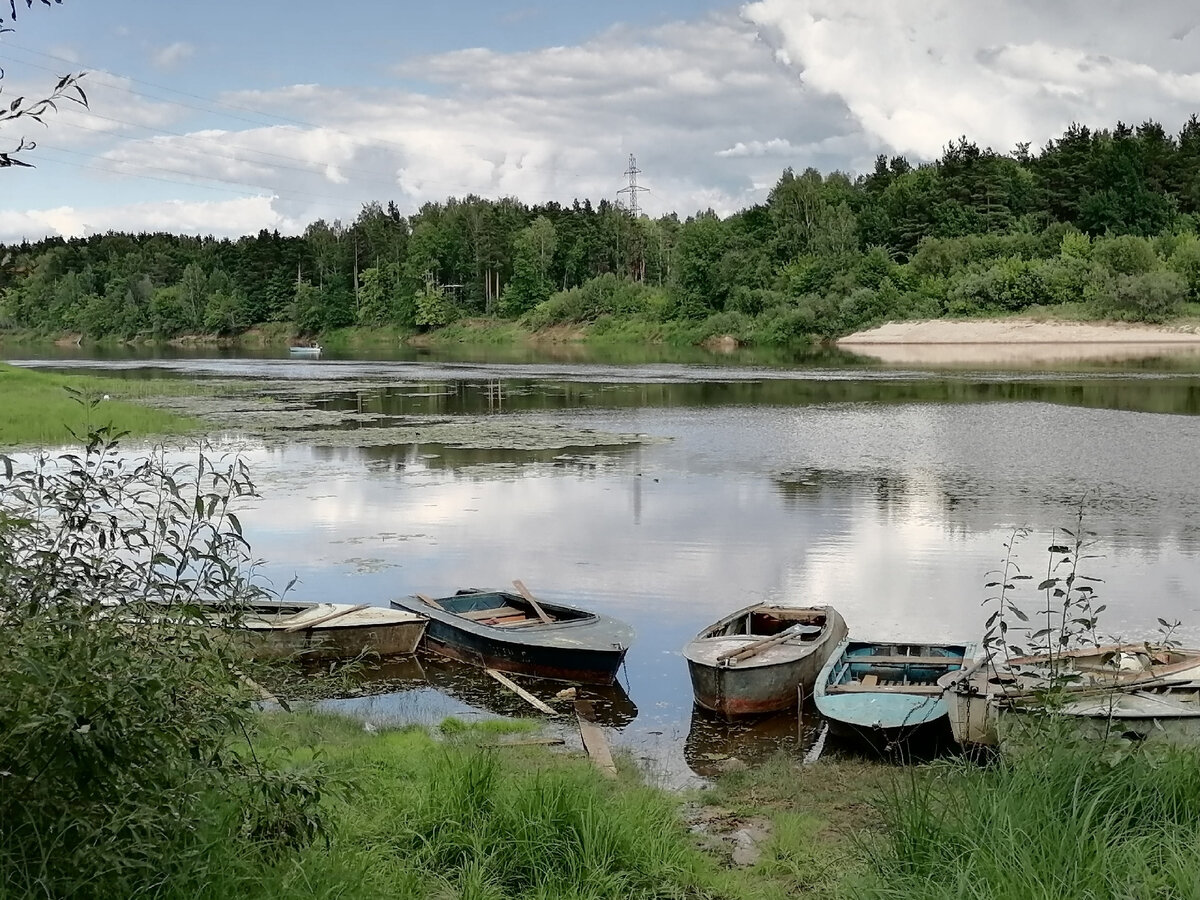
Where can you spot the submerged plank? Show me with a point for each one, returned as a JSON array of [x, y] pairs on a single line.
[[594, 740], [521, 692]]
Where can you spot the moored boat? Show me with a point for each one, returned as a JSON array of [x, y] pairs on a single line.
[[886, 690], [756, 660], [1166, 712], [979, 695], [314, 350], [323, 631], [517, 633]]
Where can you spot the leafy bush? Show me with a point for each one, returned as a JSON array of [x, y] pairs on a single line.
[[1010, 284], [1126, 254], [604, 295], [1185, 262], [118, 710], [1151, 297]]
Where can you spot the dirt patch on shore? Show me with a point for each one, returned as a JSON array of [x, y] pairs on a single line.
[[1019, 341]]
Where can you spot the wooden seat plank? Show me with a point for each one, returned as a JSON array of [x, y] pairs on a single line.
[[905, 660], [932, 689], [495, 612]]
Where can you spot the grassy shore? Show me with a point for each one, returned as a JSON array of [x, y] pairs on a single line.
[[468, 811], [39, 408]]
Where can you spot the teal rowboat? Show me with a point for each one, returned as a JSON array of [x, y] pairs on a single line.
[[886, 691]]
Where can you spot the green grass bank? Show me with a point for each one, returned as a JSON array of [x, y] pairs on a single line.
[[38, 408]]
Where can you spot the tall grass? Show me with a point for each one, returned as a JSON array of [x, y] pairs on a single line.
[[411, 815], [37, 409], [1062, 820]]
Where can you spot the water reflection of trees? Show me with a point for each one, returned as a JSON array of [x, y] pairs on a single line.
[[440, 457], [1179, 396]]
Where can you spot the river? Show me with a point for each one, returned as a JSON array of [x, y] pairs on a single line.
[[887, 493]]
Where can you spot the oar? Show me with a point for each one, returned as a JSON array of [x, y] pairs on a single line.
[[321, 620], [759, 646], [537, 607], [425, 599]]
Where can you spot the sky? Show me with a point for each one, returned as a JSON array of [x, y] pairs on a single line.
[[224, 118]]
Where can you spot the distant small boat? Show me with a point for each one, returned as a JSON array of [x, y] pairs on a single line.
[[324, 631], [517, 633], [755, 660], [886, 690], [314, 350], [979, 695]]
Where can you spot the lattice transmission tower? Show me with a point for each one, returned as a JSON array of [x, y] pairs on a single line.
[[633, 188]]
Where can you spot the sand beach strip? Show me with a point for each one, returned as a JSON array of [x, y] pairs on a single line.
[[1018, 341]]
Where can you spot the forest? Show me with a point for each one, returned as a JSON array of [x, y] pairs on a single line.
[[1105, 221]]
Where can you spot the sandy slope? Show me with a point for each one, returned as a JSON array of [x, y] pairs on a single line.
[[984, 341]]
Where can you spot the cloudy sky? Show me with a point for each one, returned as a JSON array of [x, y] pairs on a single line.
[[224, 117]]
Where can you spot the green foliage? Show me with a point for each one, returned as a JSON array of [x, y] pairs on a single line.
[[1185, 262], [1126, 254], [434, 307], [606, 295], [951, 235], [119, 709], [1149, 297]]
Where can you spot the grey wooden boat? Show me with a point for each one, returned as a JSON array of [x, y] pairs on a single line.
[[516, 633], [757, 659], [322, 631], [980, 695]]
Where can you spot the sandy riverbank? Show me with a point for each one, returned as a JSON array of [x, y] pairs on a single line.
[[946, 342]]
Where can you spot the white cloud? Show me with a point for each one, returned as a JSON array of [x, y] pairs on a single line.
[[549, 124], [918, 73], [172, 55], [227, 218]]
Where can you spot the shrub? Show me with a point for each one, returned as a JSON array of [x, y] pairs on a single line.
[[1151, 297], [118, 710], [1185, 262], [604, 295], [1126, 254]]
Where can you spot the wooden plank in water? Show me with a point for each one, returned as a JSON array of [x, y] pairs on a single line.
[[594, 740], [521, 692], [529, 742]]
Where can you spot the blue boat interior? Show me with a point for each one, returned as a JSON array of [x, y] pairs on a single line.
[[767, 621], [894, 668], [500, 608]]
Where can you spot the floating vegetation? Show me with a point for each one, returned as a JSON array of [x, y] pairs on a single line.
[[276, 419]]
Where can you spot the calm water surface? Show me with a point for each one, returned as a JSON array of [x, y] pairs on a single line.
[[888, 494]]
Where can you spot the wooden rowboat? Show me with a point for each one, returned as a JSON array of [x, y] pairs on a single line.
[[886, 690], [979, 696], [517, 633], [323, 631], [757, 659]]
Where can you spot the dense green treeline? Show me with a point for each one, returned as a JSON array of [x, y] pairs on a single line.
[[1107, 219]]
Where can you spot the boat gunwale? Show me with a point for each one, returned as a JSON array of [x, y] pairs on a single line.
[[542, 634], [801, 650]]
